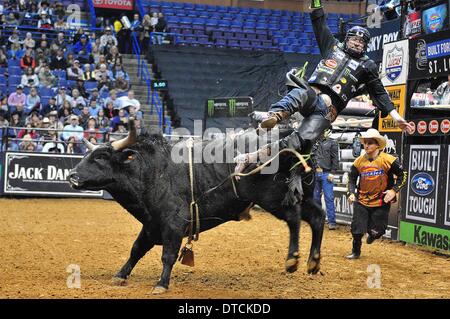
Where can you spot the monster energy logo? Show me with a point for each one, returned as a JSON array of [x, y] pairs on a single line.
[[210, 108], [232, 107]]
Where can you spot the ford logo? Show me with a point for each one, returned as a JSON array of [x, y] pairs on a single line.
[[422, 184]]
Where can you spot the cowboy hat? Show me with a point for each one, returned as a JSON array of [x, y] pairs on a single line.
[[374, 134]]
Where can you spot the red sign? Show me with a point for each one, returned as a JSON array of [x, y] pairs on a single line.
[[422, 127], [331, 64], [114, 4], [445, 126], [413, 127], [433, 126]]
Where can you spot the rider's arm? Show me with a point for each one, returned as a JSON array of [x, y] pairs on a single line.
[[324, 37], [376, 90]]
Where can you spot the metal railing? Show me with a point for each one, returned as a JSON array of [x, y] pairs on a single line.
[[92, 11]]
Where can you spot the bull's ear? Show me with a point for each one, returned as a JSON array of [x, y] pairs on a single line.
[[127, 156]]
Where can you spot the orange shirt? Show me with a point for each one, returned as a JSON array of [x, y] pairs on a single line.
[[373, 178]]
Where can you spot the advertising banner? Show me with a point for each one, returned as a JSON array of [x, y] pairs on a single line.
[[431, 127], [429, 55], [435, 18], [229, 107], [432, 237], [41, 174], [397, 93], [114, 4], [344, 211], [395, 63], [413, 25], [389, 32], [447, 193], [423, 183]]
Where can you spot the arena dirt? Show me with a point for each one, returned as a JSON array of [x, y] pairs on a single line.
[[40, 238]]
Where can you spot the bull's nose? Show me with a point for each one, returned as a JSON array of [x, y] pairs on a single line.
[[74, 178]]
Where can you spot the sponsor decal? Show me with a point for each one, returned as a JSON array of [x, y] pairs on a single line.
[[337, 88], [435, 22], [422, 127], [433, 126], [339, 55], [422, 184], [445, 127], [210, 107], [352, 64], [413, 127], [331, 63], [432, 237], [323, 68], [371, 173], [421, 55], [232, 107], [343, 80], [394, 63]]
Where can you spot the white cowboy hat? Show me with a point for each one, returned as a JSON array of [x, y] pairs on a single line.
[[374, 134]]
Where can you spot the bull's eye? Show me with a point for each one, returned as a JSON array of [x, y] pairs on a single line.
[[130, 157]]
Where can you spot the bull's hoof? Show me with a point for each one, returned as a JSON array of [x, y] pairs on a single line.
[[291, 264], [117, 281], [158, 290], [314, 265]]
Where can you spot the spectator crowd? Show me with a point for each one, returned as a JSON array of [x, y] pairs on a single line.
[[63, 86]]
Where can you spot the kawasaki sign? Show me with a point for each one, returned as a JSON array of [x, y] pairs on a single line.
[[432, 237], [229, 107]]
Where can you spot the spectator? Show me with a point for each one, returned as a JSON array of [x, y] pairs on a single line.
[[45, 22], [15, 52], [73, 146], [326, 155], [109, 109], [124, 34], [58, 44], [101, 60], [65, 112], [128, 100], [43, 38], [77, 101], [11, 19], [44, 8], [59, 11], [15, 122], [120, 128], [136, 24], [84, 116], [27, 144], [88, 75], [73, 130], [154, 21], [114, 57], [70, 59], [96, 96], [75, 72], [28, 130], [17, 99], [34, 119], [160, 27], [62, 97], [29, 43], [40, 66], [27, 60], [33, 101], [102, 76], [119, 118], [29, 79], [94, 108], [53, 146], [61, 24], [4, 105], [144, 36], [46, 78], [107, 40], [132, 113], [3, 58], [80, 87], [77, 35], [49, 107], [43, 51], [14, 38], [59, 61], [119, 71], [83, 49], [102, 120], [121, 85], [54, 123]]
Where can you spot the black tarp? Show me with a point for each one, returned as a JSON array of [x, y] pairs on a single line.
[[197, 73]]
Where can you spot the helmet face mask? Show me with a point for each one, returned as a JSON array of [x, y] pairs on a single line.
[[356, 41]]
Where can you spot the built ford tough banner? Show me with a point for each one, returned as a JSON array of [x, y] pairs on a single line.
[[41, 174]]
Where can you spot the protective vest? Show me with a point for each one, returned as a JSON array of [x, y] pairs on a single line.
[[373, 178], [338, 75]]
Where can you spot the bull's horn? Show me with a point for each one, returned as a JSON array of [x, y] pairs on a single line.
[[130, 139], [89, 145]]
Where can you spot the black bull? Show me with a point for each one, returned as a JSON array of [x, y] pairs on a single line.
[[141, 176]]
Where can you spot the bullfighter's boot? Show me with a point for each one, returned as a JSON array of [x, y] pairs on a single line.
[[356, 250], [274, 118]]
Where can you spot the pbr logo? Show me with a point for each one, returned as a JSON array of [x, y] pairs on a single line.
[[422, 127], [422, 184], [421, 55], [433, 126], [394, 63]]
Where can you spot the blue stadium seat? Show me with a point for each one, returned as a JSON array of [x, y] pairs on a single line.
[[12, 70], [13, 62], [89, 85]]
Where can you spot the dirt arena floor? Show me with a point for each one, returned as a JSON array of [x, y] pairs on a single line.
[[40, 238]]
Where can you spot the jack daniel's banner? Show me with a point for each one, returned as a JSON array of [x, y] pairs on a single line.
[[229, 107], [31, 174], [429, 55]]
